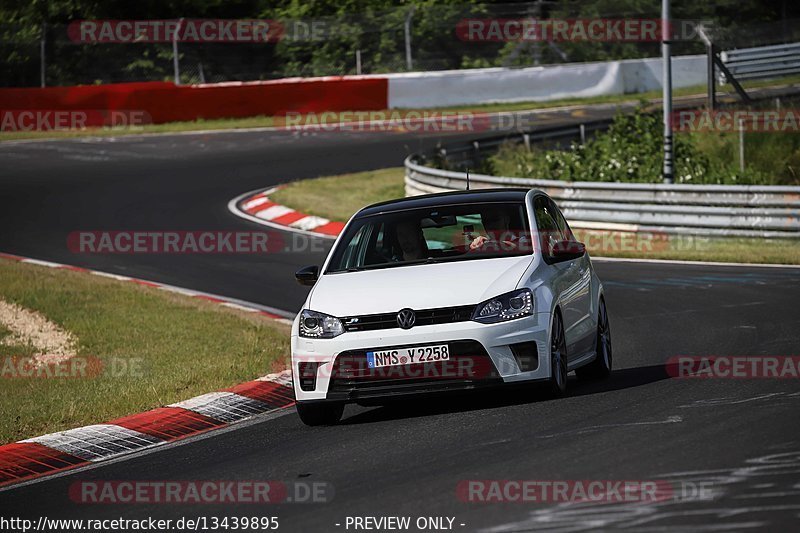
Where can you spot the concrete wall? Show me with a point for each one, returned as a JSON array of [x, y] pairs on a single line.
[[492, 85]]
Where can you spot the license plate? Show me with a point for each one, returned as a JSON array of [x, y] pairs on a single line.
[[408, 356]]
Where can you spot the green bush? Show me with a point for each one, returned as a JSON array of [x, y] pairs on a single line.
[[632, 151]]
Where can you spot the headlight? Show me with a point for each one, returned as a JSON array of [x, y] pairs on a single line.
[[319, 325], [507, 306]]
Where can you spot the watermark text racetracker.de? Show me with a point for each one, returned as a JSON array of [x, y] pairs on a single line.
[[644, 242], [543, 491], [736, 120], [210, 492], [190, 242], [180, 30], [734, 367], [24, 120], [576, 30], [407, 121], [271, 241], [189, 30], [76, 367]]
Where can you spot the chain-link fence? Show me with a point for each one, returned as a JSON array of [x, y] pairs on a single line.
[[397, 40]]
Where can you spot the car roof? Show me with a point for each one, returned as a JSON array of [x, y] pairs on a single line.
[[516, 194]]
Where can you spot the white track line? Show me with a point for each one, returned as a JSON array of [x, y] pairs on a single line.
[[288, 316], [690, 263]]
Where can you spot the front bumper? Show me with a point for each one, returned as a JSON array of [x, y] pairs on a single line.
[[481, 355]]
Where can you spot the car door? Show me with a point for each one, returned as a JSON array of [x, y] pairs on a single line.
[[579, 294], [564, 273]]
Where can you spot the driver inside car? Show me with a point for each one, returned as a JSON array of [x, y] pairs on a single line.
[[410, 240], [497, 224]]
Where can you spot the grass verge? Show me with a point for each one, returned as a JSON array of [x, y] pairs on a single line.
[[690, 248], [156, 348], [270, 121], [631, 151], [338, 197]]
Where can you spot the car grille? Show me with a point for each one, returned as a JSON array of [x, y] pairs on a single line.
[[424, 317], [469, 365]]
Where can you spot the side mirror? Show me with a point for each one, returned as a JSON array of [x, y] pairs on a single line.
[[566, 250], [307, 275]]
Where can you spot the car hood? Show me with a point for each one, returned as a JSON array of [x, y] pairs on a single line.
[[416, 286]]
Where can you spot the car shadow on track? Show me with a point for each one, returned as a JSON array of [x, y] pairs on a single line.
[[506, 396]]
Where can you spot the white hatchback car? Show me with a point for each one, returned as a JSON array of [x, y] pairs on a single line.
[[447, 292]]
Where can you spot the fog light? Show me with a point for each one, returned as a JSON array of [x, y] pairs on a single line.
[[308, 376]]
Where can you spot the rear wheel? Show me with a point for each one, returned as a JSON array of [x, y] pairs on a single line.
[[320, 414], [601, 366], [558, 358]]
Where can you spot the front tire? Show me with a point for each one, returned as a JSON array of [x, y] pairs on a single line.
[[319, 414], [558, 358], [600, 368]]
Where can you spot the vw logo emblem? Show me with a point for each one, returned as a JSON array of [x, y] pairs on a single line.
[[406, 318]]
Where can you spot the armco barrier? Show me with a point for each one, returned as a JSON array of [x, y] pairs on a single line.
[[762, 62], [166, 102], [711, 210]]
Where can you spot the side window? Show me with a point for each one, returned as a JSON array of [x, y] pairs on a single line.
[[350, 256], [381, 242], [561, 222], [361, 250], [379, 249], [549, 232]]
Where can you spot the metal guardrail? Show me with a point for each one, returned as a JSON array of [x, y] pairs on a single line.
[[708, 210], [703, 210], [762, 62], [469, 155]]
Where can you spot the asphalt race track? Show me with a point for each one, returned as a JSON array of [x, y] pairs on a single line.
[[737, 440], [183, 182]]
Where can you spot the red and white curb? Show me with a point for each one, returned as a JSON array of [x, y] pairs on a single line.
[[73, 448], [257, 207]]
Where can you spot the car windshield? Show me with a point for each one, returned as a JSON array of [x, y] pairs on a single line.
[[433, 234]]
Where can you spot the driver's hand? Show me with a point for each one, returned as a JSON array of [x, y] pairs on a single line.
[[478, 242]]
